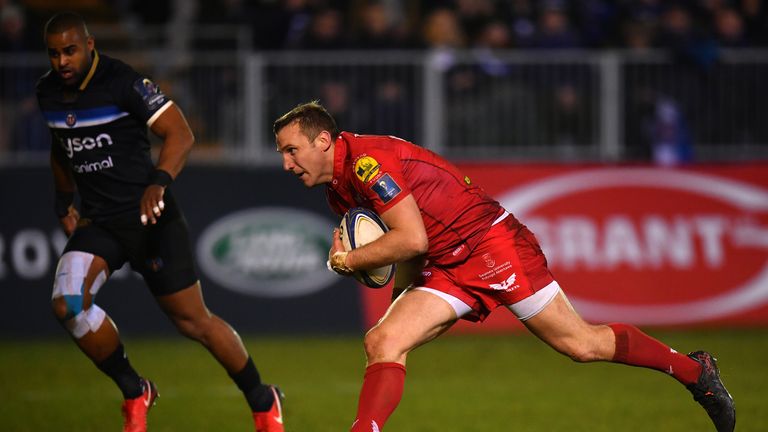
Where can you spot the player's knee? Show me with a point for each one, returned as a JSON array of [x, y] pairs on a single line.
[[195, 328], [577, 350], [380, 343], [581, 354], [187, 328], [66, 306], [69, 284], [87, 321], [61, 309]]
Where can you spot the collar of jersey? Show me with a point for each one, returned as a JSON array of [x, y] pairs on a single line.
[[339, 157], [88, 77]]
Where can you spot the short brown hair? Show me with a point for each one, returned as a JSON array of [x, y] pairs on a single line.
[[312, 117]]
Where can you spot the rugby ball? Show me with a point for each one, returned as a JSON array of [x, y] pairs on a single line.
[[360, 226]]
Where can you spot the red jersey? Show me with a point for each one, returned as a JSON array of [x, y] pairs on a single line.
[[377, 172]]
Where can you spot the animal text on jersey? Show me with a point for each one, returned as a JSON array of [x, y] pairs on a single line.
[[101, 129]]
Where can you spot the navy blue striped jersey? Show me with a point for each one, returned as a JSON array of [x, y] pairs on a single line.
[[101, 129]]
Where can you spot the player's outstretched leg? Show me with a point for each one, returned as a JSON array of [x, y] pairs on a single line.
[[79, 275], [135, 410], [193, 319], [710, 392], [561, 327]]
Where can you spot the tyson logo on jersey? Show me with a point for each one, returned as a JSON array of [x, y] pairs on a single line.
[[74, 145]]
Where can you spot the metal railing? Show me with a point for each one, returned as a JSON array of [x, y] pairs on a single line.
[[548, 106]]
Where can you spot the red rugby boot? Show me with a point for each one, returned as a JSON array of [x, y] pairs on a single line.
[[272, 420], [135, 410]]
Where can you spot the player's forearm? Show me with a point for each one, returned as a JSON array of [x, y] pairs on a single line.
[[175, 150], [64, 187], [62, 177], [394, 247]]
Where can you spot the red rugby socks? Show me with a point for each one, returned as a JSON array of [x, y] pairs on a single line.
[[636, 348], [381, 392]]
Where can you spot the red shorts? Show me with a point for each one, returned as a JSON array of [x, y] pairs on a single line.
[[506, 267]]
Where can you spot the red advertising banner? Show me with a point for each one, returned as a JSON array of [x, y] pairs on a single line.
[[643, 245]]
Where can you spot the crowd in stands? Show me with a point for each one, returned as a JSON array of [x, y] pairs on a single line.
[[558, 109], [404, 24]]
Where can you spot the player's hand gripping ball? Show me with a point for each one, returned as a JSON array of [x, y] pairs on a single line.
[[360, 226]]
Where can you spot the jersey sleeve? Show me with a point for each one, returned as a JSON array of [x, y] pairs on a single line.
[[141, 97], [378, 177]]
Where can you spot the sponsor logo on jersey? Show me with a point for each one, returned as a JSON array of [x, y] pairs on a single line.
[[75, 145], [71, 119], [467, 180], [386, 188], [150, 93], [651, 246], [507, 285], [268, 252], [89, 167], [495, 271], [366, 168], [489, 261]]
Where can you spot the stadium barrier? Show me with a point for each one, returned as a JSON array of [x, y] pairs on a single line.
[[640, 244], [507, 105]]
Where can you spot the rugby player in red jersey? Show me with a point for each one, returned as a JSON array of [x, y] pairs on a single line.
[[476, 257], [98, 110]]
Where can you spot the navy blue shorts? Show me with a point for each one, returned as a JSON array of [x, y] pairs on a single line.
[[161, 253]]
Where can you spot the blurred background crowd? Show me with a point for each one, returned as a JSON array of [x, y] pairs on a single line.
[[701, 96], [401, 24]]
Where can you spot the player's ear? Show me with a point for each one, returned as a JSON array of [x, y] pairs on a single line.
[[325, 140]]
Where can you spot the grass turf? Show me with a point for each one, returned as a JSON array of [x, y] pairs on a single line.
[[456, 383]]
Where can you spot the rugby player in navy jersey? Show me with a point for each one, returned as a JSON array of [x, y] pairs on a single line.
[[98, 110]]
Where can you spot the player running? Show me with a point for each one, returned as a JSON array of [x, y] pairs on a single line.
[[98, 110], [478, 257]]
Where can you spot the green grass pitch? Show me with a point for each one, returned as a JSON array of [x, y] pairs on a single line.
[[456, 383]]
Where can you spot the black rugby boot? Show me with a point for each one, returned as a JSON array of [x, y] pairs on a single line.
[[711, 394]]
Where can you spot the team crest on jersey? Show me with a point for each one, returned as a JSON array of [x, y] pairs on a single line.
[[71, 119], [366, 168], [386, 188], [155, 264], [150, 93], [467, 180]]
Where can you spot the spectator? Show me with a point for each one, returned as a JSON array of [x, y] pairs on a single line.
[[523, 22], [729, 28], [568, 118], [375, 28], [668, 133], [639, 35], [555, 30], [326, 32], [474, 15], [13, 35], [679, 34]]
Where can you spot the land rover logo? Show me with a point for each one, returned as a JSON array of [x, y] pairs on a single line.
[[269, 252]]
